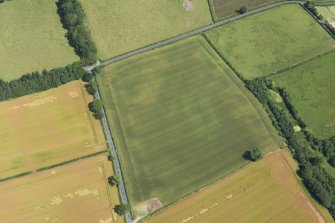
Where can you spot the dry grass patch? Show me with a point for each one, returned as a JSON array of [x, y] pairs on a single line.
[[47, 128], [73, 193], [266, 191]]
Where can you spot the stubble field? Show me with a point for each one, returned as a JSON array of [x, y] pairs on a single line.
[[270, 41], [266, 191], [77, 192], [47, 128], [32, 38], [181, 119], [121, 26]]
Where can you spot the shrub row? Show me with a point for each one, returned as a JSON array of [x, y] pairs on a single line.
[[319, 182], [73, 19], [36, 82]]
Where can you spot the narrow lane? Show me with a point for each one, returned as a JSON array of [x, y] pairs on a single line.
[[109, 138]]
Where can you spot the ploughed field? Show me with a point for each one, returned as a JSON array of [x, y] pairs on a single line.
[[76, 192], [47, 128], [32, 38], [180, 119], [311, 88], [270, 41], [118, 26], [266, 191]]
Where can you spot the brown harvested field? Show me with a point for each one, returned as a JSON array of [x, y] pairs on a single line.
[[266, 191], [77, 192], [47, 128], [225, 8]]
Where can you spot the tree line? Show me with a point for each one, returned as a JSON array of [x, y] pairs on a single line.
[[73, 18], [39, 81], [319, 182]]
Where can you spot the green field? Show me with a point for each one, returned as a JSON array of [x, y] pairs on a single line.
[[121, 26], [327, 12], [181, 119], [272, 40], [32, 38], [312, 91]]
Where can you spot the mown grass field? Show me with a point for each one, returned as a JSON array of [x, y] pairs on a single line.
[[32, 38], [271, 41], [266, 191], [77, 192], [180, 119], [121, 26], [47, 128], [311, 88], [226, 8]]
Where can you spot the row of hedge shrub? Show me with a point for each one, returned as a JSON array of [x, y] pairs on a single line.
[[72, 17], [319, 182]]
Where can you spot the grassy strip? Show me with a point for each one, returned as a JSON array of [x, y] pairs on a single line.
[[53, 166]]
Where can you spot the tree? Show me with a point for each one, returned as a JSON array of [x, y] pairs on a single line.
[[2, 1], [243, 10], [253, 155], [91, 88], [97, 108], [315, 161], [88, 77], [97, 70], [121, 209], [332, 161], [113, 180]]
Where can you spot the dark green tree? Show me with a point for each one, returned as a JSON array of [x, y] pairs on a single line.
[[243, 10], [113, 180], [88, 77], [253, 155], [91, 88], [121, 209]]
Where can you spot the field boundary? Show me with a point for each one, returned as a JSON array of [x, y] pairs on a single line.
[[204, 187], [248, 96], [212, 10], [53, 166], [116, 163], [298, 64], [191, 33]]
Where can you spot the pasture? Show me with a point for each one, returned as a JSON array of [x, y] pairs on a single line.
[[47, 128], [271, 41], [118, 26], [32, 38], [77, 192], [327, 12], [226, 8], [181, 119], [311, 89], [266, 191]]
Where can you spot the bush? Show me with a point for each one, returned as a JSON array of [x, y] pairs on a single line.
[[91, 88], [97, 108], [113, 181], [121, 209], [253, 155], [87, 77], [243, 10]]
